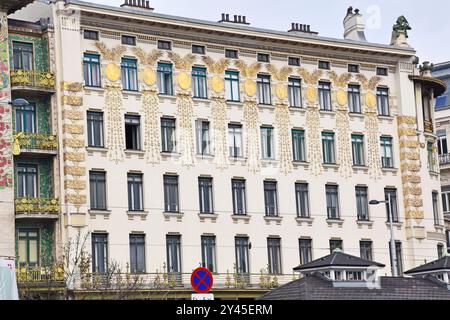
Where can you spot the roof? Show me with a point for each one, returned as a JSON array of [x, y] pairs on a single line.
[[316, 287], [338, 259], [440, 264], [436, 84], [11, 6]]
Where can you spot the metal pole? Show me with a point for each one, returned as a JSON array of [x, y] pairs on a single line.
[[392, 242]]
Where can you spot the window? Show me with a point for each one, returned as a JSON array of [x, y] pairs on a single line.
[[235, 140], [232, 54], [298, 145], [436, 213], [328, 148], [335, 244], [432, 163], [274, 255], [23, 55], [241, 250], [358, 149], [198, 49], [325, 96], [442, 142], [203, 138], [440, 250], [391, 193], [99, 252], [382, 71], [232, 86], [267, 143], [135, 192], [305, 247], [354, 99], [445, 194], [173, 243], [129, 40], [137, 253], [95, 129], [295, 92], [97, 190], [398, 250], [91, 69], [133, 132], [209, 253], [332, 197], [365, 247], [91, 35], [302, 200], [263, 57], [26, 118], [171, 194], [270, 198], [383, 101], [199, 82], [362, 203], [168, 140], [387, 160], [239, 199], [353, 68], [293, 61], [164, 45], [205, 193], [164, 79], [28, 247], [324, 65], [129, 74], [27, 181], [354, 276], [264, 93]]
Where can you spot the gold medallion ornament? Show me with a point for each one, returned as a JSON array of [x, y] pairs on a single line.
[[311, 94], [184, 81], [250, 88], [371, 100], [112, 72], [341, 97], [281, 91], [217, 84], [149, 76]]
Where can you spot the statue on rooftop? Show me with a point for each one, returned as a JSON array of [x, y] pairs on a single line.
[[400, 32]]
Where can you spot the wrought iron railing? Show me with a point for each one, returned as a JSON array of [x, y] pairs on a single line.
[[32, 78], [37, 205], [41, 141], [444, 158], [36, 275]]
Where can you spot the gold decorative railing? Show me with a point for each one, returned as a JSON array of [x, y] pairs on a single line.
[[36, 275], [32, 78], [28, 140], [428, 126], [37, 205]]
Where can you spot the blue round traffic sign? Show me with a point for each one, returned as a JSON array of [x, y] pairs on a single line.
[[201, 280]]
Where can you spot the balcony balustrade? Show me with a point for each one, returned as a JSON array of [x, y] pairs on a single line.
[[32, 78], [34, 141], [44, 206], [444, 159]]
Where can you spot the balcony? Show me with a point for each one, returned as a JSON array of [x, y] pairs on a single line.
[[37, 81], [37, 208], [35, 143], [444, 159], [39, 275]]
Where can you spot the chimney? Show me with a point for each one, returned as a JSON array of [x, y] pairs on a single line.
[[237, 19], [302, 29], [354, 25], [142, 5]]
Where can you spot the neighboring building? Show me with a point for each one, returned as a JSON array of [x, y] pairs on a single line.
[[186, 142], [340, 276], [442, 115]]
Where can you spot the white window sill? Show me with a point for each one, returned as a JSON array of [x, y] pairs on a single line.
[[205, 216], [300, 221], [97, 149]]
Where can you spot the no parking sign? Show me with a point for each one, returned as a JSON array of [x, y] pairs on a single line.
[[201, 280]]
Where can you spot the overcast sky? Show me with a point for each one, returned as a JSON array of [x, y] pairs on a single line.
[[430, 20]]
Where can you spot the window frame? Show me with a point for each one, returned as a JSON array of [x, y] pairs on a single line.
[[274, 256], [295, 92], [198, 46], [171, 193], [164, 45], [128, 40], [133, 127], [137, 244], [235, 190], [354, 98], [206, 195], [97, 177], [232, 77], [268, 151], [199, 83], [165, 78], [135, 181], [95, 123], [264, 90], [324, 92], [129, 74], [332, 201], [358, 150], [90, 67], [329, 148], [271, 208], [387, 146], [302, 195], [168, 135]]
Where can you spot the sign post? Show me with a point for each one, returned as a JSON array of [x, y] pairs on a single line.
[[202, 282]]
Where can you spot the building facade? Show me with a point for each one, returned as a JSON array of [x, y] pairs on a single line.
[[185, 143]]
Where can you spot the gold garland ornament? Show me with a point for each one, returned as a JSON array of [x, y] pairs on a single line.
[[114, 116], [219, 125], [152, 140], [251, 118], [282, 123]]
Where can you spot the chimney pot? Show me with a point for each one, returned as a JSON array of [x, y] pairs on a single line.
[[228, 17], [244, 19], [357, 11]]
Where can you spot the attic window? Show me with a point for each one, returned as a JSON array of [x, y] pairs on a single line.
[[129, 40], [198, 49], [91, 35], [354, 276], [324, 65], [263, 57], [230, 53], [353, 68], [164, 45], [382, 71], [293, 61]]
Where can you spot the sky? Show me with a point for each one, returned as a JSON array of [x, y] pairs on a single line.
[[429, 20]]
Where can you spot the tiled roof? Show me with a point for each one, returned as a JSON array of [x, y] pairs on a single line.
[[316, 287], [440, 264], [338, 259]]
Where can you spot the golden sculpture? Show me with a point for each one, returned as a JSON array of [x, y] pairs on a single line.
[[281, 91], [311, 94], [149, 76], [148, 59], [250, 88], [281, 74], [113, 54], [341, 97], [217, 84], [216, 67], [184, 80], [112, 72], [182, 63], [16, 144], [371, 100]]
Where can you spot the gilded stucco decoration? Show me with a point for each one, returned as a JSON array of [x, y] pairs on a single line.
[[251, 127], [152, 141], [73, 144], [112, 56], [219, 118], [182, 65], [114, 119], [343, 130], [248, 74], [410, 167], [280, 77], [282, 125], [148, 60], [313, 131]]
